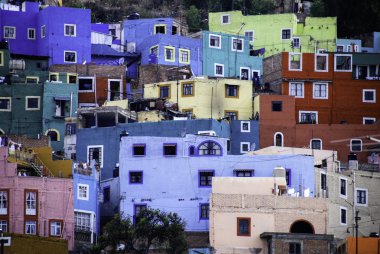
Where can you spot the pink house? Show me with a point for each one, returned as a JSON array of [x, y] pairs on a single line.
[[41, 206]]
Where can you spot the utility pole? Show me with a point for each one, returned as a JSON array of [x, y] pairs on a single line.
[[357, 218]]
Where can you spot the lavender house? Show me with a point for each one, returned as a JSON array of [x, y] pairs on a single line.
[[63, 34]]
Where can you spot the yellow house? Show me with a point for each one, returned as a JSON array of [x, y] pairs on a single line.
[[207, 98]]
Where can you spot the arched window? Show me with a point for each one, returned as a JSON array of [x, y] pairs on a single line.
[[278, 139], [191, 151], [209, 148], [302, 226], [53, 134]]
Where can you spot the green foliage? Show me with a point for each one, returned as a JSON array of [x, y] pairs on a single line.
[[261, 7], [193, 18], [318, 9]]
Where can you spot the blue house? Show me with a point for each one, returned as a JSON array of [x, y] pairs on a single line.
[[226, 55], [174, 174], [348, 45], [244, 136]]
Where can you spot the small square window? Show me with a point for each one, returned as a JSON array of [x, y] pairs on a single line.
[[70, 57], [170, 149], [184, 56], [219, 70], [56, 228], [369, 95], [85, 84], [355, 145], [32, 102], [245, 126], [339, 48], [316, 144], [244, 147], [369, 120], [214, 41], [321, 62], [169, 54], [250, 35], [320, 91], [187, 89], [30, 227], [31, 33], [296, 89], [243, 172], [286, 34], [5, 104], [106, 194], [225, 19], [83, 192], [244, 226], [277, 106], [70, 30], [343, 62], [139, 150], [237, 44], [296, 43], [205, 178], [135, 177], [343, 215], [72, 78], [204, 211], [295, 61], [160, 29], [164, 91], [9, 32], [361, 197], [232, 91]]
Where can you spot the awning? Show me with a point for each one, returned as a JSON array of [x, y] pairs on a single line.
[[61, 98]]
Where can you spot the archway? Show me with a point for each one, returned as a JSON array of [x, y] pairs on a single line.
[[302, 226]]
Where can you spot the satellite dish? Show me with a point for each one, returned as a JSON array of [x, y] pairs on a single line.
[[253, 146]]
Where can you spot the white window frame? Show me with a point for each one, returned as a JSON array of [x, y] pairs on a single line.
[[216, 74], [109, 88], [282, 138], [225, 15], [327, 91], [335, 56], [242, 145], [370, 119], [34, 31], [54, 225], [290, 34], [82, 214], [340, 215], [37, 79], [4, 225], [232, 44], [339, 45], [32, 97], [307, 111], [249, 72], [299, 42], [79, 192], [361, 144], [296, 83], [70, 51], [356, 48], [366, 197], [289, 64], [43, 31], [340, 194], [4, 197], [374, 95], [253, 35], [102, 155], [220, 41], [14, 33], [10, 104], [349, 48], [31, 223], [70, 25], [315, 62], [87, 91], [241, 126], [316, 139], [31, 211]]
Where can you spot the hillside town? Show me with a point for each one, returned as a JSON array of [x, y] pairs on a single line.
[[260, 135]]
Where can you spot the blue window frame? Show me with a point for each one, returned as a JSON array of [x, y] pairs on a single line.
[[135, 177], [209, 148], [137, 209], [205, 178], [204, 209]]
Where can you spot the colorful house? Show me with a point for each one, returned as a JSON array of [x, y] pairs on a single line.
[[348, 45], [278, 32]]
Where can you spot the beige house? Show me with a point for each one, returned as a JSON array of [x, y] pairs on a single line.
[[243, 209]]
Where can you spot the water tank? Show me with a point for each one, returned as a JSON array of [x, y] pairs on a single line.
[[17, 64], [353, 163], [279, 172]]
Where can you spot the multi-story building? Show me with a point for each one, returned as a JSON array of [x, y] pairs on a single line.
[[348, 45]]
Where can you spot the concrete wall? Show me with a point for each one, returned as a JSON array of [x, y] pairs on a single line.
[[59, 168]]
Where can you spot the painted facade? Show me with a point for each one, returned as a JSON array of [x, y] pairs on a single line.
[[244, 136], [187, 191], [207, 98], [226, 55], [278, 32], [348, 45], [63, 34], [376, 44]]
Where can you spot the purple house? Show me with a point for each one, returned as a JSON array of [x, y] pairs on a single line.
[[63, 34]]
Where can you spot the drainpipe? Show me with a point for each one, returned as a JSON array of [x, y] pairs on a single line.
[[71, 104]]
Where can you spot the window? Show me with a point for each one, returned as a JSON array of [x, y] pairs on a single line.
[[339, 48], [187, 89], [204, 211], [154, 50], [296, 43], [225, 19], [62, 106], [343, 187], [237, 44], [53, 135], [276, 106], [83, 192], [219, 70], [72, 78], [243, 172], [174, 30], [349, 48], [5, 104], [244, 147], [286, 34], [31, 80], [296, 89], [106, 194], [361, 198], [86, 84], [356, 145], [288, 176], [232, 91], [343, 62], [295, 248], [244, 73], [43, 31], [4, 225], [138, 208], [55, 228], [3, 202], [209, 148], [343, 215], [70, 30], [31, 33], [205, 178], [135, 177], [170, 149], [250, 35], [169, 54], [184, 56], [245, 126], [95, 153], [189, 112], [320, 91], [232, 115], [321, 62], [244, 226], [164, 91], [191, 151], [32, 102], [139, 150], [70, 56], [278, 139], [159, 29], [323, 181], [308, 117], [9, 32], [1, 58], [295, 61], [53, 76], [369, 120], [215, 41], [369, 95], [30, 227], [82, 221], [70, 129], [316, 144], [31, 203]]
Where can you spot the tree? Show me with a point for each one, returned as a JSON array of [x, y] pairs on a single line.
[[193, 18], [151, 227], [318, 9]]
